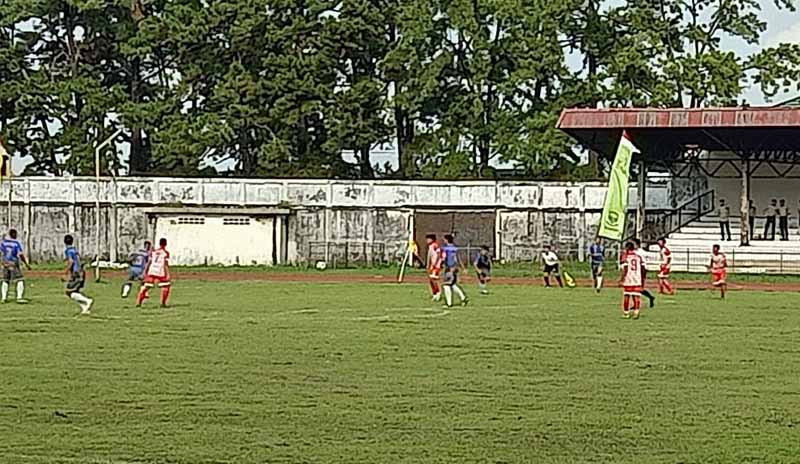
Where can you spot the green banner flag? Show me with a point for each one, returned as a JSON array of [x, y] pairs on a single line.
[[612, 223]]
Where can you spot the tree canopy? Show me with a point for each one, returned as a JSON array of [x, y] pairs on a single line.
[[283, 88]]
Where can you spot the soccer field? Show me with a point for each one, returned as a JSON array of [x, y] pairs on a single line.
[[253, 372]]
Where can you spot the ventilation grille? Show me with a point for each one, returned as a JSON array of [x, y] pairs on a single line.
[[234, 221], [191, 220]]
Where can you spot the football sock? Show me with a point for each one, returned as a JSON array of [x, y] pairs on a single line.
[[4, 290], [448, 295], [546, 281], [435, 287], [20, 289], [164, 295], [626, 303], [142, 295], [126, 290], [459, 293], [80, 299], [560, 283], [637, 303], [482, 286], [599, 282]]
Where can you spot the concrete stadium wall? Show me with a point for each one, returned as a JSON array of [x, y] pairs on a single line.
[[361, 213]]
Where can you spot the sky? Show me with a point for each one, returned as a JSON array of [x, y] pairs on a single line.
[[783, 26]]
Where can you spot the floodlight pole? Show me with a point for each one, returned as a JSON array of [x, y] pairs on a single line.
[[97, 200]]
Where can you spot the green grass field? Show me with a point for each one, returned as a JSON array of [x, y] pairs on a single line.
[[264, 372]]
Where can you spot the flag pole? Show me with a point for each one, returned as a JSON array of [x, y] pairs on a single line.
[[97, 202], [409, 254], [403, 265]]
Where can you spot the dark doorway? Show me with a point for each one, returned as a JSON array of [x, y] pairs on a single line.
[[470, 229]]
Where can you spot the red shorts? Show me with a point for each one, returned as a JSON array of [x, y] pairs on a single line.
[[161, 281], [719, 277], [433, 273], [664, 272], [632, 290]]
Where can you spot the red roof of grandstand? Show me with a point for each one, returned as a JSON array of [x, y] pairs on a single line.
[[666, 133]]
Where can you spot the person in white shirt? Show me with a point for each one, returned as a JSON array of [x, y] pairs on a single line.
[[640, 252], [551, 267]]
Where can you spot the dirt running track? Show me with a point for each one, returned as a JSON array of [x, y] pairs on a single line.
[[322, 277]]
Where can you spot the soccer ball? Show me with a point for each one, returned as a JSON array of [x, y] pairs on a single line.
[[322, 265]]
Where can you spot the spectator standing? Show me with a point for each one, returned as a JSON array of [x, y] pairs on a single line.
[[770, 213], [752, 219], [783, 220], [798, 217], [724, 214]]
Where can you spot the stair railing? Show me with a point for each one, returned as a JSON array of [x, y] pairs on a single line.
[[661, 223]]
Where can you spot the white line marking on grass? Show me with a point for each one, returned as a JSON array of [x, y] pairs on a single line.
[[304, 311], [431, 312], [298, 311], [388, 317]]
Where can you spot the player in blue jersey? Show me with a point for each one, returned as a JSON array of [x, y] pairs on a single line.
[[451, 269], [12, 257], [76, 276], [597, 255], [138, 263], [483, 267]]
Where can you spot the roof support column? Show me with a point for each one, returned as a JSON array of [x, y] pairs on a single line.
[[641, 197], [744, 209]]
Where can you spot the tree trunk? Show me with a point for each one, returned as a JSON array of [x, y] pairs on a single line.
[[139, 160], [485, 139], [404, 130], [399, 126], [365, 164]]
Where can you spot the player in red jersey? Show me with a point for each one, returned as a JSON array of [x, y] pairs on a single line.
[[631, 280], [157, 273], [666, 268], [434, 266], [719, 270]]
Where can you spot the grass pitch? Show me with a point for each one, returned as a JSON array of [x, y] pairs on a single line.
[[255, 372]]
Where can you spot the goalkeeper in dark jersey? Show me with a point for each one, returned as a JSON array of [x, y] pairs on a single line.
[[483, 266]]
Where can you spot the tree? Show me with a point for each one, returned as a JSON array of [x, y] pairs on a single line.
[[65, 98], [357, 119], [14, 71], [671, 53], [282, 87], [144, 60], [478, 76]]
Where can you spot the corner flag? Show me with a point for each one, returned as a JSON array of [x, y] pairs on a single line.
[[612, 222]]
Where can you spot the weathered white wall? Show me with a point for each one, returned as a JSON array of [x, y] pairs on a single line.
[[371, 217], [320, 193], [217, 240]]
